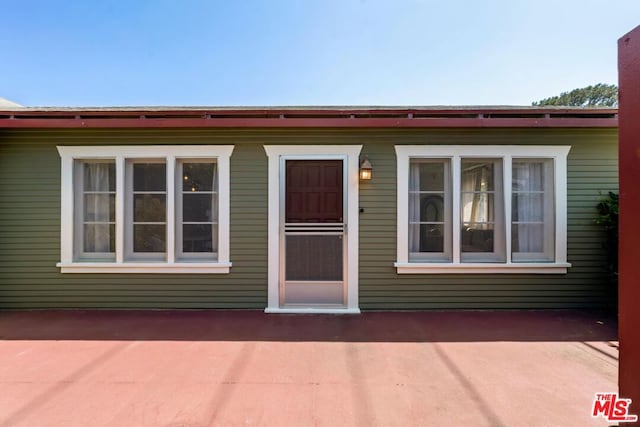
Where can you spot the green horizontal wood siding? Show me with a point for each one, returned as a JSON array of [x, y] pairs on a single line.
[[30, 221], [592, 170]]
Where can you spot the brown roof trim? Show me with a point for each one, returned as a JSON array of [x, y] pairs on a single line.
[[301, 117]]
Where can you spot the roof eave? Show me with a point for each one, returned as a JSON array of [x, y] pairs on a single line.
[[299, 117]]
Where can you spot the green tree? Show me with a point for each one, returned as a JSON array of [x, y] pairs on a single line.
[[607, 218], [600, 95]]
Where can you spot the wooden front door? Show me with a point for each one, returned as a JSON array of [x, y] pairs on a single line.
[[314, 234]]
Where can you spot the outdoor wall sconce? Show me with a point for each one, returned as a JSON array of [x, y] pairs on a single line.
[[366, 171]]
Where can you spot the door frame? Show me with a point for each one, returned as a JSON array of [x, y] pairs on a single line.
[[350, 155]]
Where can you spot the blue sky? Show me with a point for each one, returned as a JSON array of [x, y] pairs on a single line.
[[297, 52]]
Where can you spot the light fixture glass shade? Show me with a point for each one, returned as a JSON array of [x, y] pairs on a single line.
[[366, 171]]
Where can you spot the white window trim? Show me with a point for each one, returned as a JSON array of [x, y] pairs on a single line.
[[171, 153], [455, 153]]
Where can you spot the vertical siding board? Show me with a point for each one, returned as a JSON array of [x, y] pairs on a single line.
[[30, 218]]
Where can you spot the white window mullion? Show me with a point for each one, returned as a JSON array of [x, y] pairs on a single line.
[[506, 169], [120, 204], [456, 174], [171, 209]]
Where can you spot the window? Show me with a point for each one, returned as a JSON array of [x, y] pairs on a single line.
[[95, 209], [482, 209], [197, 225], [429, 210], [532, 210], [145, 209], [148, 209]]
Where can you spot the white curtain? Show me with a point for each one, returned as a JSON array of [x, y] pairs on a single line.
[[414, 207], [476, 206], [528, 183], [97, 202]]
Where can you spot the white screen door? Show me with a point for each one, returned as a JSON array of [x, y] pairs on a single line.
[[313, 234]]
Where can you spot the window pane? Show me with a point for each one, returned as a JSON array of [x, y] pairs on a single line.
[[314, 257], [149, 207], [99, 176], [426, 238], [99, 238], [149, 177], [94, 210], [430, 210], [527, 207], [482, 235], [198, 176], [477, 237], [199, 238], [149, 238], [478, 207], [427, 176], [100, 207], [198, 207], [477, 176], [527, 238], [533, 211], [426, 207], [528, 175]]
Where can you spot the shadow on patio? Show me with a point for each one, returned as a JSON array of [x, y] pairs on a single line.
[[214, 325]]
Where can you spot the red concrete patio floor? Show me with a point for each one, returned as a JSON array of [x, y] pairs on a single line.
[[199, 368]]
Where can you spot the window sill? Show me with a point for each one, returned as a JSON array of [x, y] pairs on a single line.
[[482, 268], [146, 267]]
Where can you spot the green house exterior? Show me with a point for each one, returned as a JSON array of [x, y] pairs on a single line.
[[30, 211]]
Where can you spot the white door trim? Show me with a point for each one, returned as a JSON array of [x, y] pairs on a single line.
[[274, 154]]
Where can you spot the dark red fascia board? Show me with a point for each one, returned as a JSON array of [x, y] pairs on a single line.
[[308, 123], [308, 118]]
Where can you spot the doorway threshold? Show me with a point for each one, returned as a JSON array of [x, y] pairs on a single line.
[[312, 310]]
